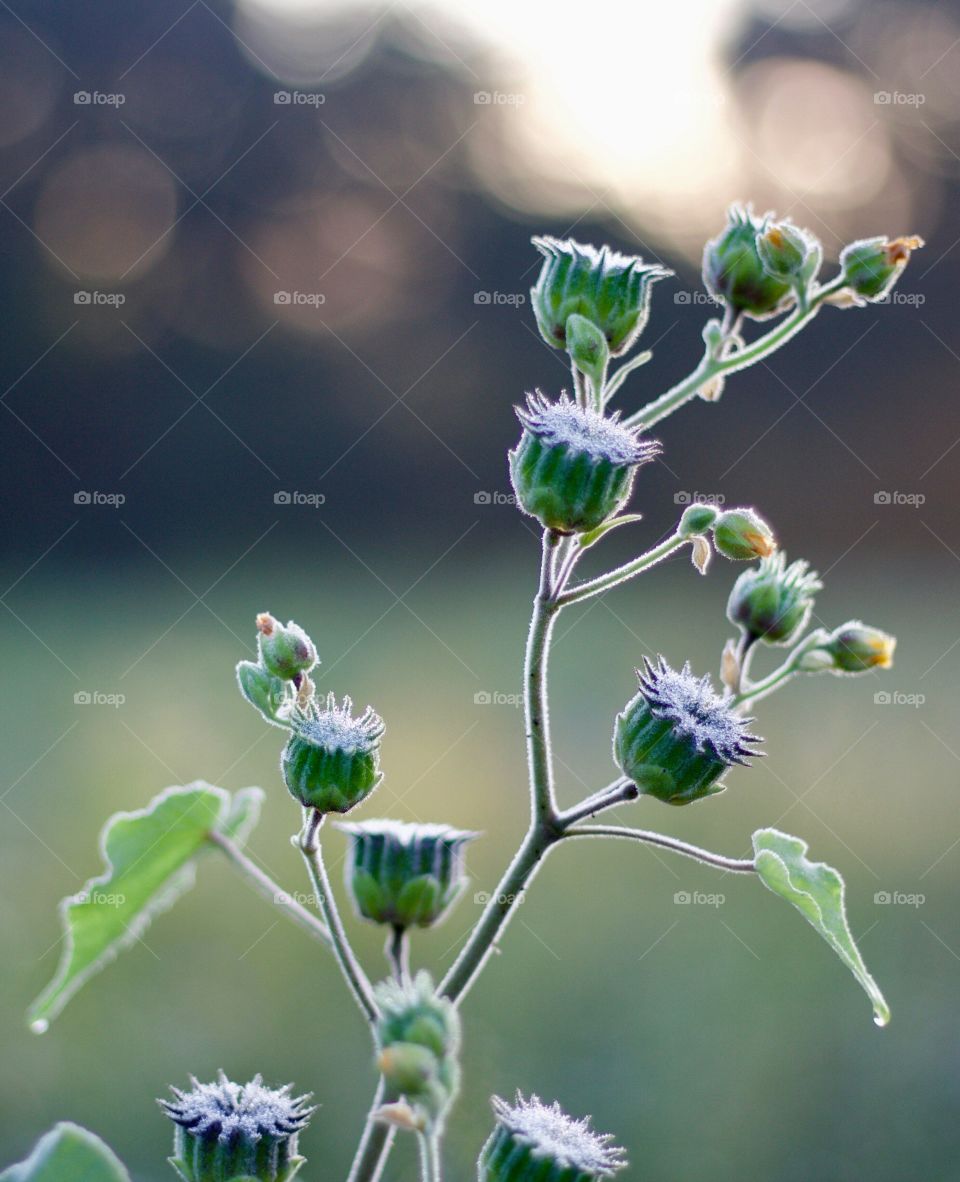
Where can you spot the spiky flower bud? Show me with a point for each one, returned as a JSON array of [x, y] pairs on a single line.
[[418, 1040], [677, 737], [871, 266], [740, 535], [332, 760], [573, 468], [226, 1132], [285, 650], [857, 648], [405, 874], [611, 290], [772, 602], [536, 1142], [789, 253], [734, 272]]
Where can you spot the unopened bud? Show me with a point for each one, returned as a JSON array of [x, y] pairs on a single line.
[[733, 270], [871, 266], [285, 650], [740, 535]]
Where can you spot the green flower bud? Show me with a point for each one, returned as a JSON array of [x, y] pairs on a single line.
[[587, 347], [536, 1142], [733, 270], [677, 737], [332, 760], [697, 520], [405, 874], [871, 266], [418, 1043], [226, 1132], [573, 468], [772, 602], [789, 253], [611, 290], [740, 535], [285, 652], [858, 648]]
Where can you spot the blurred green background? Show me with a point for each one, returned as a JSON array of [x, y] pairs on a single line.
[[711, 1040]]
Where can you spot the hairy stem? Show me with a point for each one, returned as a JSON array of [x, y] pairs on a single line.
[[618, 792], [398, 952], [264, 885], [430, 1158], [622, 573], [376, 1141], [707, 857], [710, 367], [309, 841], [535, 702]]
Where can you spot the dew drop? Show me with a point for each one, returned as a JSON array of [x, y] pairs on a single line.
[[39, 1026]]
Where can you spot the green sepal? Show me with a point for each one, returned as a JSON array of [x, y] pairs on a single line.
[[588, 350], [262, 690], [594, 535], [817, 891]]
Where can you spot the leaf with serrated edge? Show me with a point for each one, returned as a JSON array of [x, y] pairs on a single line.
[[149, 856], [68, 1153], [817, 891]]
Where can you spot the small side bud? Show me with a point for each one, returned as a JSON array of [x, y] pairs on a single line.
[[857, 648], [537, 1142], [588, 349], [286, 651], [697, 520], [773, 601], [789, 253], [677, 737], [609, 289], [418, 1041], [262, 690], [734, 272], [332, 760], [225, 1132], [871, 266], [740, 535]]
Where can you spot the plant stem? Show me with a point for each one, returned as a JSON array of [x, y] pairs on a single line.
[[737, 865], [616, 793], [354, 975], [622, 573], [710, 366], [535, 702], [375, 1143], [264, 885], [430, 1158], [398, 952]]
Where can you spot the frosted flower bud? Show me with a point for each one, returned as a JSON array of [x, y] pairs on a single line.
[[332, 760], [733, 270], [573, 467], [772, 602], [740, 535], [872, 266], [226, 1131], [536, 1142], [677, 737], [285, 650]]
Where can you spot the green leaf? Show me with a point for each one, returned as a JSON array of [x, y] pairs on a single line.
[[149, 856], [617, 379], [68, 1153], [817, 891]]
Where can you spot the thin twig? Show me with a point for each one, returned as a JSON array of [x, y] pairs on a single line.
[[708, 857]]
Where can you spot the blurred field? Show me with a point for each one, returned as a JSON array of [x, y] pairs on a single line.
[[705, 1037]]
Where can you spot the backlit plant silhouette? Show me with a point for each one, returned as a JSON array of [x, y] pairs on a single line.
[[573, 470]]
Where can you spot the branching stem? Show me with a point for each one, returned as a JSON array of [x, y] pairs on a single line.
[[707, 857]]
